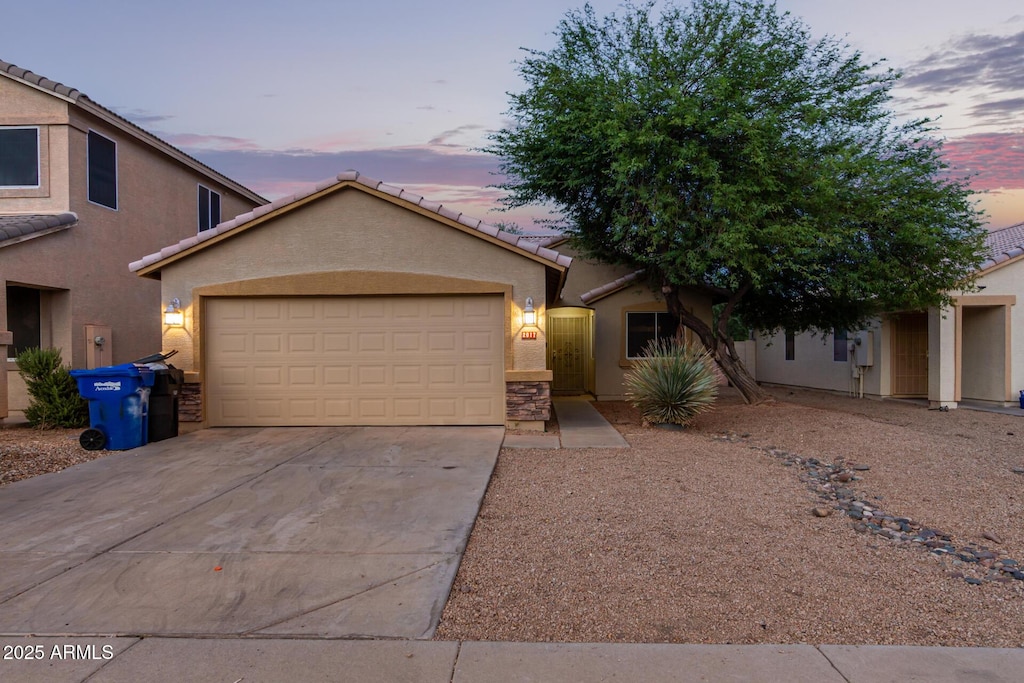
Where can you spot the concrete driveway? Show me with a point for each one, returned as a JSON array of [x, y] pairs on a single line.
[[340, 532]]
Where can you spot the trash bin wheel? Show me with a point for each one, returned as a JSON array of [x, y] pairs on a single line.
[[93, 440]]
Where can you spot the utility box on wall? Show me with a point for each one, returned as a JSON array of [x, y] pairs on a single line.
[[98, 346], [864, 349]]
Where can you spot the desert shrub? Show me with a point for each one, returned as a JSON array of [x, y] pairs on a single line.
[[55, 401], [672, 382]]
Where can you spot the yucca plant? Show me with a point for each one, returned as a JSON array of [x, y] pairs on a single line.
[[672, 382]]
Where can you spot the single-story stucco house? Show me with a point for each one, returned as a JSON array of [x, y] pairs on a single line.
[[602, 321], [971, 351], [357, 302]]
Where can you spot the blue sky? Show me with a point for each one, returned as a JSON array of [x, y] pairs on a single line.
[[281, 95]]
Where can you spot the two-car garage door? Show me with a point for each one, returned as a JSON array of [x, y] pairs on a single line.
[[383, 360]]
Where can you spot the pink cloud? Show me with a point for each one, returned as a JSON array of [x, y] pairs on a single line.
[[996, 160], [194, 141]]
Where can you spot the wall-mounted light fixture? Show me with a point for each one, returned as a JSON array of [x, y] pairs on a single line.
[[529, 315], [173, 315]]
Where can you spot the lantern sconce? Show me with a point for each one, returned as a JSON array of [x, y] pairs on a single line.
[[529, 315], [173, 315]]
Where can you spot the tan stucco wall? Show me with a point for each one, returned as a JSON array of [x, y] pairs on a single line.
[[1001, 327], [813, 363], [352, 231], [585, 275], [984, 333], [22, 105], [86, 266]]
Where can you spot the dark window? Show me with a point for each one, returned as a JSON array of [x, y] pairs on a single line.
[[102, 170], [22, 318], [790, 345], [840, 347], [209, 208], [19, 157], [641, 328]]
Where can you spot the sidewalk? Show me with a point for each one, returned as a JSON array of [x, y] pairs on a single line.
[[245, 660]]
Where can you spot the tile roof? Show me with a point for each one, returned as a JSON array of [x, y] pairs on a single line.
[[1004, 245], [611, 287], [81, 99], [357, 180], [20, 227]]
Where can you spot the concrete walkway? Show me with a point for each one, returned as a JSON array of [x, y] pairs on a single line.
[[579, 424], [256, 660]]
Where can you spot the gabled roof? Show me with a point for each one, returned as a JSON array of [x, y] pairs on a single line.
[[610, 288], [1003, 245], [83, 101], [151, 264], [21, 227]]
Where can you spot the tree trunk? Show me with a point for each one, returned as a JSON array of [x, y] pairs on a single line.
[[721, 347]]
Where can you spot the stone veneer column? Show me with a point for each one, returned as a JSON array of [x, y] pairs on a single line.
[[190, 402], [527, 401]]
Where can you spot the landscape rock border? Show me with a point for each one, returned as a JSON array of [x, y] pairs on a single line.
[[833, 483]]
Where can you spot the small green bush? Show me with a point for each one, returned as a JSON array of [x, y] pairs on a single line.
[[54, 392], [672, 382]]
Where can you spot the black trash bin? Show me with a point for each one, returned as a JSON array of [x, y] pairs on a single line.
[[163, 403]]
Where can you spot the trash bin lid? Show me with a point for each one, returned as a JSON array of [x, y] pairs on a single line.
[[124, 370], [142, 375]]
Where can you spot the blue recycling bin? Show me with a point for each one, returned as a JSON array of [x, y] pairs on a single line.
[[118, 397]]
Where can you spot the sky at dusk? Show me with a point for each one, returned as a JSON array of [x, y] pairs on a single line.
[[281, 95]]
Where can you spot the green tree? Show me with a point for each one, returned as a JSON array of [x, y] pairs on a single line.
[[725, 152]]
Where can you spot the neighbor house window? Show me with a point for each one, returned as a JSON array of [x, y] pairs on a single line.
[[840, 347], [209, 208], [790, 345], [102, 163], [643, 326], [19, 157], [23, 318]]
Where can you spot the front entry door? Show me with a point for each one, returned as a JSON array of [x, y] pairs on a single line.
[[571, 349]]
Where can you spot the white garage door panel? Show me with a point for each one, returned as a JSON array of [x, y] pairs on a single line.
[[353, 360]]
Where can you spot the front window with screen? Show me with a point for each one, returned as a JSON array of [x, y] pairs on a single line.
[[19, 157], [642, 327]]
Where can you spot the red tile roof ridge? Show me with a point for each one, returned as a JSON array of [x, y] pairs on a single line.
[[1003, 244], [610, 287]]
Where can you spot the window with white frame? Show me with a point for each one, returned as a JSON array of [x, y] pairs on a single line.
[[644, 326], [209, 208], [102, 162], [19, 156]]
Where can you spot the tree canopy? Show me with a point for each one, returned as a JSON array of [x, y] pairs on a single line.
[[724, 151]]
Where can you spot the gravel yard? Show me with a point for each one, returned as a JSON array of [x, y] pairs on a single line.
[[26, 452], [709, 535]]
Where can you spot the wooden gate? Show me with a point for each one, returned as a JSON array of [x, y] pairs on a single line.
[[910, 355]]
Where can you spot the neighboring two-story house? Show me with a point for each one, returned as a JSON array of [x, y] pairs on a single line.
[[83, 192]]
